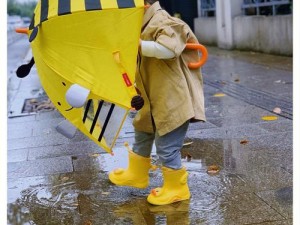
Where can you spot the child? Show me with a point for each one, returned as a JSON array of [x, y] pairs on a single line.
[[173, 97]]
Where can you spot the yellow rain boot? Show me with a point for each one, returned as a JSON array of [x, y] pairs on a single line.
[[175, 188], [136, 174]]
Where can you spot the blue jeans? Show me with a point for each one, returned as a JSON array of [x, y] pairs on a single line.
[[168, 146]]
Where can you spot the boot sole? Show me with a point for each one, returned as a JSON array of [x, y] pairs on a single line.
[[174, 199], [127, 183]]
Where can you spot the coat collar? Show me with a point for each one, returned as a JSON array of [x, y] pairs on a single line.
[[150, 13]]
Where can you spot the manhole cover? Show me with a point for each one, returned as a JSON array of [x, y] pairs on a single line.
[[40, 104]]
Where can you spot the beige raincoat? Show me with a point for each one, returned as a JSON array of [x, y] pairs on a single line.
[[172, 92]]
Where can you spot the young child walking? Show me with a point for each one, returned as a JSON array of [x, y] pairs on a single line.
[[173, 97]]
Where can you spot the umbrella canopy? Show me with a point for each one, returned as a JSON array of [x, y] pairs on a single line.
[[85, 53]]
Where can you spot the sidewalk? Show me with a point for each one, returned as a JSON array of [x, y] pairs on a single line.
[[55, 180]]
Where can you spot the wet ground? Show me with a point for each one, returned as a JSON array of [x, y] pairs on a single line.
[[55, 180]]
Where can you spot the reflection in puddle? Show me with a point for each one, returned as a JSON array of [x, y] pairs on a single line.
[[41, 203], [141, 212]]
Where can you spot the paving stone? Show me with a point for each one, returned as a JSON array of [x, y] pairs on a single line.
[[243, 119], [234, 132], [201, 125], [281, 200], [39, 167], [37, 128], [235, 209], [21, 119], [18, 155], [70, 149], [280, 126], [49, 115], [39, 141], [265, 178], [18, 131]]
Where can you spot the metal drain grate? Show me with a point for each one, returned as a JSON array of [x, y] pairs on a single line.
[[260, 99], [39, 104]]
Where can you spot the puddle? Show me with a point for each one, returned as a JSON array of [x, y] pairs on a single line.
[[41, 203], [89, 198]]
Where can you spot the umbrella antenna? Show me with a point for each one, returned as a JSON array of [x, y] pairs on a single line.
[[24, 70]]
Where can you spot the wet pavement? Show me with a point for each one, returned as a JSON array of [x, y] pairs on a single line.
[[55, 180]]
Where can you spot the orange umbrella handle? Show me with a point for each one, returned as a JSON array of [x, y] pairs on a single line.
[[203, 50], [22, 30]]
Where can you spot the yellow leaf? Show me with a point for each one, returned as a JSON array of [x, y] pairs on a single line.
[[269, 118], [219, 95], [95, 155]]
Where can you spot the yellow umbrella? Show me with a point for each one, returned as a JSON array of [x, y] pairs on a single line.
[[85, 53]]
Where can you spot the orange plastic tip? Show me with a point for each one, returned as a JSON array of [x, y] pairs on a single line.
[[203, 50], [146, 6], [112, 153], [22, 30], [153, 191]]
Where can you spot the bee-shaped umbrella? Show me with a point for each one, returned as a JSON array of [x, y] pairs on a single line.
[[85, 53]]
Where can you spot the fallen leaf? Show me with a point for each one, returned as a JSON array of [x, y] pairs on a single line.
[[277, 110], [95, 155], [269, 118], [187, 144], [237, 80], [188, 157], [213, 169], [33, 101], [65, 178], [105, 193], [88, 222], [243, 142], [219, 95]]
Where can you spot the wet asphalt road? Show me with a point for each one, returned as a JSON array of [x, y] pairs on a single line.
[[54, 180]]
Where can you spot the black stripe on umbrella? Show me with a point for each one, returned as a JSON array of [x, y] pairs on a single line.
[[96, 116], [126, 3], [92, 5], [31, 26], [44, 10], [86, 110], [106, 121], [64, 7]]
